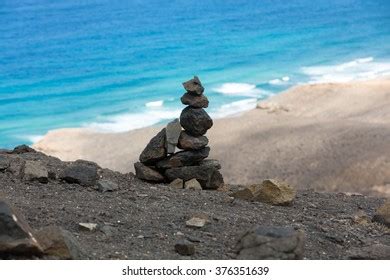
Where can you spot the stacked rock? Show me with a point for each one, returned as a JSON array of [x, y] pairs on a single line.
[[160, 163]]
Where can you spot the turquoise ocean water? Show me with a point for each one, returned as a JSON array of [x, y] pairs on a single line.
[[116, 65]]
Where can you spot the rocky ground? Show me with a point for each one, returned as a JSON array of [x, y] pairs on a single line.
[[132, 219]]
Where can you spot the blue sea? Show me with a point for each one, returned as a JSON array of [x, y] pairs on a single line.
[[117, 65]]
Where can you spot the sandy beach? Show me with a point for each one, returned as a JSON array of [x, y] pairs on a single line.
[[333, 137]]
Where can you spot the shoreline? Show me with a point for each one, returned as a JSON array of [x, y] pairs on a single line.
[[334, 140]]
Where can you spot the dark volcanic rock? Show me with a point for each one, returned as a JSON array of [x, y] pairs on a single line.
[[184, 158], [22, 149], [80, 172], [106, 185], [185, 248], [371, 252], [194, 86], [265, 243], [208, 177], [211, 163], [35, 171], [144, 172], [172, 132], [15, 235], [4, 162], [155, 150], [189, 142], [195, 121], [194, 100], [382, 214], [60, 243]]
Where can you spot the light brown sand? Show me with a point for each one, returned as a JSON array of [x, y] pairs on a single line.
[[333, 137]]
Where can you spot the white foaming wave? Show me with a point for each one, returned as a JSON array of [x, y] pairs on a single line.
[[280, 81], [131, 121], [240, 89], [234, 108], [358, 69], [153, 104]]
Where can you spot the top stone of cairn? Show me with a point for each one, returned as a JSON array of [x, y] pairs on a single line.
[[194, 86]]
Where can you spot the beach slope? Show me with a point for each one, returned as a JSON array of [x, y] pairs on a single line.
[[333, 137]]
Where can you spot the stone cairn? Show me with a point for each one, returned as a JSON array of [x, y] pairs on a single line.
[[159, 161]]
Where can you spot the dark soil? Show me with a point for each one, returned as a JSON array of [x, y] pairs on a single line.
[[144, 221]]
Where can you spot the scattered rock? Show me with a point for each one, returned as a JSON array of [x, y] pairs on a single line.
[[196, 222], [371, 252], [194, 86], [195, 121], [106, 186], [184, 158], [80, 172], [155, 150], [245, 193], [35, 171], [185, 248], [60, 243], [177, 183], [265, 243], [188, 142], [194, 100], [216, 180], [16, 237], [193, 184], [361, 218], [4, 162], [382, 214], [16, 166], [172, 132], [22, 149], [146, 173], [274, 192], [88, 226]]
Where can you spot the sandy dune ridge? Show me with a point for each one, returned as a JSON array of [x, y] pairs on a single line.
[[333, 137]]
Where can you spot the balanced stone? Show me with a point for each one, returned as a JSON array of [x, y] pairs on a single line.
[[189, 142], [193, 100], [195, 121], [209, 177], [211, 163], [184, 158], [172, 132], [146, 173], [155, 150], [194, 86]]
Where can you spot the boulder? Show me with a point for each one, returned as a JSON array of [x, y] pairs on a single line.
[[155, 150], [370, 252], [194, 86], [268, 242], [189, 142], [185, 248], [177, 184], [194, 100], [195, 121], [172, 133], [16, 166], [80, 172], [35, 171], [382, 214], [146, 173], [273, 192], [184, 158], [193, 184], [22, 149], [59, 243], [106, 185], [16, 237], [4, 162]]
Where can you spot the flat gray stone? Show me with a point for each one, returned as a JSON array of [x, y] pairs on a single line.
[[106, 185], [172, 133], [35, 171]]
